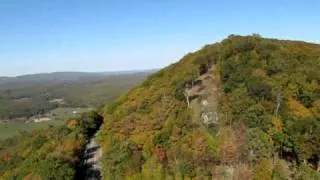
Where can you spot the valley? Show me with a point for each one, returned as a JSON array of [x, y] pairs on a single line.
[[159, 90], [42, 100], [58, 116]]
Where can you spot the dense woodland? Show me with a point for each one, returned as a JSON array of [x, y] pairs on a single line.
[[244, 108], [265, 124], [54, 153]]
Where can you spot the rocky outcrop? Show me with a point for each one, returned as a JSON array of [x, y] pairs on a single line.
[[92, 156]]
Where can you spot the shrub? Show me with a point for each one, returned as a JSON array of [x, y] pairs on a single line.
[[115, 159], [187, 169], [161, 138]]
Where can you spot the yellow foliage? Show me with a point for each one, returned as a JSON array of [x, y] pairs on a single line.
[[254, 55], [140, 138], [67, 148], [276, 126], [152, 170], [298, 109], [72, 123], [316, 107], [260, 73], [263, 170]]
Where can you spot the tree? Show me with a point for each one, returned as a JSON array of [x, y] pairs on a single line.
[[54, 168], [306, 98], [259, 89], [255, 116], [278, 172], [276, 132], [306, 172], [259, 145], [89, 122], [263, 170], [187, 169], [227, 148], [307, 140], [162, 138]]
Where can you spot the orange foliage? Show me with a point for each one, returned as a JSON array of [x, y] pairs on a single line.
[[67, 148], [5, 156], [298, 109], [316, 107], [160, 153], [72, 123], [200, 146], [227, 148], [243, 171]]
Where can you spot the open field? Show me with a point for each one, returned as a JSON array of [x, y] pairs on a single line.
[[58, 116], [13, 128], [62, 114]]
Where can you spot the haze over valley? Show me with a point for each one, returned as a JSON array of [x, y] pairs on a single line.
[[49, 99]]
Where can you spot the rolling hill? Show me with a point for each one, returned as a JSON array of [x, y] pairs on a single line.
[[244, 108]]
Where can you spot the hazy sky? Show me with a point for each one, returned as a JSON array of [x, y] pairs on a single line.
[[107, 35]]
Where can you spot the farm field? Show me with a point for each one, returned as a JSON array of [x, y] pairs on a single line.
[[13, 128], [58, 116], [62, 113]]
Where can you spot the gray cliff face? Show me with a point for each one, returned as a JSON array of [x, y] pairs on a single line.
[[92, 156]]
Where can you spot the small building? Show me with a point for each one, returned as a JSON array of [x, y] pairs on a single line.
[[37, 120]]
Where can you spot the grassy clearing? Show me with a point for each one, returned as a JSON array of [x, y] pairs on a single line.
[[13, 128], [64, 113], [58, 116]]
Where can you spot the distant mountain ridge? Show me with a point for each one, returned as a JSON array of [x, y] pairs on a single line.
[[80, 72], [60, 77], [29, 95]]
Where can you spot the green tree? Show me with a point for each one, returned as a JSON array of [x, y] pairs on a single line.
[[259, 89], [53, 168], [259, 145], [307, 140], [187, 169], [307, 173], [256, 116]]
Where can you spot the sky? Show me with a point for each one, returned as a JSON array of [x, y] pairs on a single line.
[[109, 35]]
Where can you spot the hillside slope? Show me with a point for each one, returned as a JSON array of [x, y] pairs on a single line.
[[244, 108]]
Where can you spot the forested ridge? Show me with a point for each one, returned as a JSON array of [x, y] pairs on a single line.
[[244, 108]]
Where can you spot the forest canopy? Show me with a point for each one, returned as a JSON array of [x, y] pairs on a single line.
[[246, 107]]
